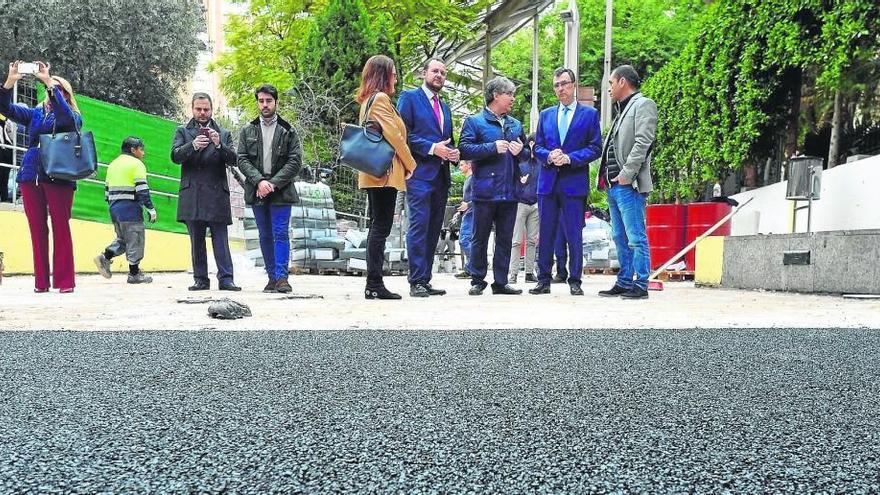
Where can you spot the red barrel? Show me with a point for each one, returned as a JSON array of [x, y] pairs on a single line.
[[702, 216], [666, 225]]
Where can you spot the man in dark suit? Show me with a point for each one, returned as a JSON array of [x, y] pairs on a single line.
[[204, 149], [626, 174], [429, 124], [568, 139]]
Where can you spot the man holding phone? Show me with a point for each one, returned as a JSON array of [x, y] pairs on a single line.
[[204, 149]]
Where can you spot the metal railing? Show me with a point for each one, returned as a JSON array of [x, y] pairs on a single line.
[[27, 96]]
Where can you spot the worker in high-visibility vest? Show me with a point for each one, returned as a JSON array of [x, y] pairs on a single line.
[[127, 193]]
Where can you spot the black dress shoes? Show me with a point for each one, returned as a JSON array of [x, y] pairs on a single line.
[[477, 290], [559, 279], [635, 293], [505, 290], [434, 292], [418, 290], [530, 278], [380, 293], [575, 288], [231, 287], [613, 292], [540, 289], [200, 286]]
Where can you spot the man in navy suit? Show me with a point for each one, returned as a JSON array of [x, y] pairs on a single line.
[[568, 139], [429, 124]]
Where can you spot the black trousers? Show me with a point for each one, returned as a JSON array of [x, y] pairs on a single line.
[[501, 214], [220, 241], [382, 201]]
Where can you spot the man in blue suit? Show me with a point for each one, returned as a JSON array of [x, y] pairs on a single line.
[[568, 139], [429, 125]]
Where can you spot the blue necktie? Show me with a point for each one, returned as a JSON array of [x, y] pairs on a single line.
[[563, 125]]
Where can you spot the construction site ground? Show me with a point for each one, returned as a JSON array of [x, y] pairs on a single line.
[[337, 303]]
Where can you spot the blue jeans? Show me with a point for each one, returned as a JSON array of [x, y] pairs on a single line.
[[466, 236], [627, 207], [273, 223]]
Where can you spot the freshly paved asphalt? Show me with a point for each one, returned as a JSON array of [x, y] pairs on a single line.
[[727, 411]]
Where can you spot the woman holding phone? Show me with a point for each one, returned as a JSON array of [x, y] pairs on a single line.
[[44, 197]]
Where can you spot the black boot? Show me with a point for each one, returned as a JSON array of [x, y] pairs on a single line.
[[380, 292]]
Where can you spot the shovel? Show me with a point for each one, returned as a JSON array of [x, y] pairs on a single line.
[[654, 284]]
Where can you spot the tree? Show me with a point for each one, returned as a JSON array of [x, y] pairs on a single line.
[[418, 28], [746, 79], [336, 48], [264, 46], [136, 53], [646, 34]]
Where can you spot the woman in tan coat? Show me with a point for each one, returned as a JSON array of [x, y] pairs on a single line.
[[378, 78]]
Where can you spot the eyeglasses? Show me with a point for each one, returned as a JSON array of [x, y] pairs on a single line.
[[561, 84]]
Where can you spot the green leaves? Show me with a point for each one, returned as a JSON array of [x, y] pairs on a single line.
[[136, 53], [731, 89]]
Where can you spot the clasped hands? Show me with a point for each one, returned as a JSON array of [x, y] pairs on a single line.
[[514, 147], [265, 188], [558, 158], [445, 152]]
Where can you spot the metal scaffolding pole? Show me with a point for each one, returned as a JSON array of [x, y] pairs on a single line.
[[606, 76], [533, 115]]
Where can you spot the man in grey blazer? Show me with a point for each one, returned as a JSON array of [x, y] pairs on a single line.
[[625, 174]]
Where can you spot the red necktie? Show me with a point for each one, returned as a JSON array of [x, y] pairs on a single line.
[[437, 111]]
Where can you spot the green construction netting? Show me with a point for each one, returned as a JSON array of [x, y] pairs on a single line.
[[110, 124]]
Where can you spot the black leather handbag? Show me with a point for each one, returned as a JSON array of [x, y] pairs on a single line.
[[68, 155], [364, 149]]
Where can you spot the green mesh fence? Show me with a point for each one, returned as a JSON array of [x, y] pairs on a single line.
[[110, 124]]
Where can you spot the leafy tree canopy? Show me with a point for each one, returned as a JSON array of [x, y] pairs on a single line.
[[136, 53]]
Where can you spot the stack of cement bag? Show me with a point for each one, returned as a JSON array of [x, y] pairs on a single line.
[[599, 250], [314, 241], [355, 251], [313, 237]]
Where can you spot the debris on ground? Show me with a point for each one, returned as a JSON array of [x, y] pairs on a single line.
[[227, 309]]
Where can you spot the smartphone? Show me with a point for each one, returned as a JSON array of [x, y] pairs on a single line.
[[27, 68], [205, 131]]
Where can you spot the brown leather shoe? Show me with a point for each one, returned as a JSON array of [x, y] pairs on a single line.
[[281, 285]]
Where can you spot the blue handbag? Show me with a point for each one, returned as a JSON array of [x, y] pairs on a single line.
[[364, 149], [68, 155]]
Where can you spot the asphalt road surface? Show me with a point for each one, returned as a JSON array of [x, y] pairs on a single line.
[[483, 411]]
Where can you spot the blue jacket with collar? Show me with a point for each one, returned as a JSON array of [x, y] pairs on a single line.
[[38, 121], [528, 192], [583, 144], [496, 176], [423, 131]]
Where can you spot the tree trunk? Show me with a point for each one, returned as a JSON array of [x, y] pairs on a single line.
[[791, 142], [750, 174], [836, 131]]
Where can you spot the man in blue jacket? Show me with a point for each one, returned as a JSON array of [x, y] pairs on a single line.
[[495, 143], [429, 125], [567, 140]]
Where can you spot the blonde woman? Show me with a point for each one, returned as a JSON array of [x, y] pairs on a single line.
[[378, 79], [44, 197]]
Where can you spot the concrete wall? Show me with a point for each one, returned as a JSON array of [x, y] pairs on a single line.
[[850, 200], [840, 262]]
